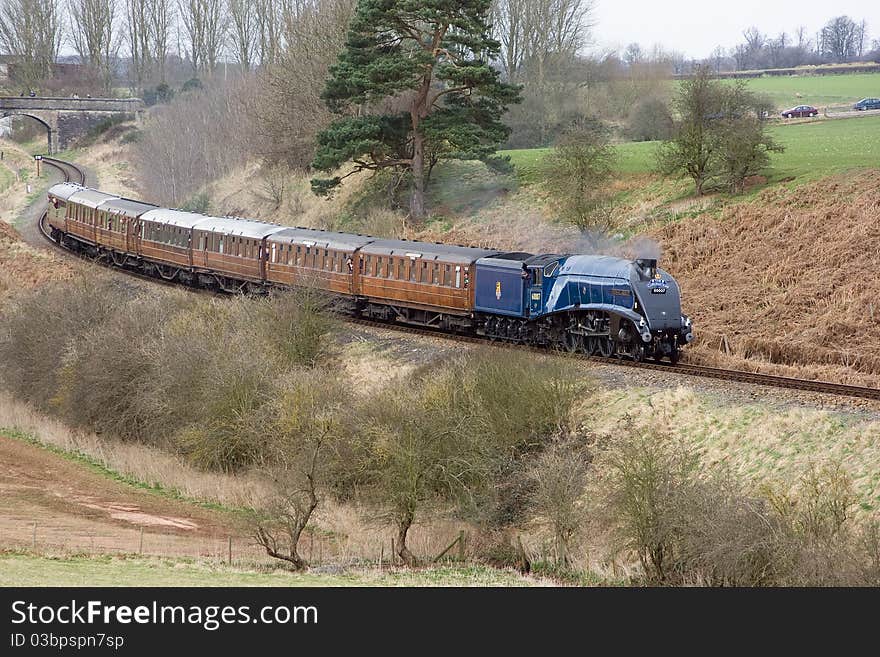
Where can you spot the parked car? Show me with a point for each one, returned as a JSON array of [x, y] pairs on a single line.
[[867, 104], [800, 111]]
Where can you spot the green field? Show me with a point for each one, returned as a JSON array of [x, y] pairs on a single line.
[[17, 569], [817, 90], [811, 149]]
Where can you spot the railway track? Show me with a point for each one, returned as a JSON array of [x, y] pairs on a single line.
[[72, 173], [686, 369]]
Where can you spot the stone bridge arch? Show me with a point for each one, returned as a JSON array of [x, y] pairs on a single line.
[[67, 119], [49, 121]]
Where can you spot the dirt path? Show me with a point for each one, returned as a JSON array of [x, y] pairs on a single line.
[[80, 510]]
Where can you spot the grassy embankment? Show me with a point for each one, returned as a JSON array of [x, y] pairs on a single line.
[[22, 569]]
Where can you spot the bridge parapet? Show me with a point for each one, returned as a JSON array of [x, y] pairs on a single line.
[[127, 105]]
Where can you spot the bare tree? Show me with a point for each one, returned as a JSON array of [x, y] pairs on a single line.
[[633, 55], [290, 112], [510, 21], [862, 38], [137, 18], [94, 35], [192, 142], [205, 23], [536, 33], [840, 39], [161, 17], [304, 436], [244, 25], [268, 28], [30, 30]]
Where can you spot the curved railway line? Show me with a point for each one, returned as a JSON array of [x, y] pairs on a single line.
[[72, 173]]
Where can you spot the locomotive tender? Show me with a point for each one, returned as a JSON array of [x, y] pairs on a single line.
[[593, 304]]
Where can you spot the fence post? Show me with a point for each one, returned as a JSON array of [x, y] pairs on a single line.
[[35, 536], [393, 553], [381, 555], [141, 545], [229, 552], [461, 538]]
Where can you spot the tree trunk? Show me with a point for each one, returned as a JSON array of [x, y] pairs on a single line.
[[403, 525], [417, 193]]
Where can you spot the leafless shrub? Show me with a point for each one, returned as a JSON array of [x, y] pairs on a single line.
[[297, 325], [559, 477], [274, 182], [104, 375], [726, 537], [642, 474], [455, 439], [196, 139], [39, 329], [305, 429], [819, 543]]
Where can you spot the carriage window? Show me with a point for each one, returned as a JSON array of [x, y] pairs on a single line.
[[457, 276], [436, 274], [401, 269], [413, 268], [221, 245]]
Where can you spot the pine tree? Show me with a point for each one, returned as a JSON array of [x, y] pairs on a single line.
[[413, 85]]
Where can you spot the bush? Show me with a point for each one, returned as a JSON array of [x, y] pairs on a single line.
[[297, 325], [161, 93], [193, 84], [200, 203], [559, 477], [649, 120], [170, 369], [577, 173], [41, 330]]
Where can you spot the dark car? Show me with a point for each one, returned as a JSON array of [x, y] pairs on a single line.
[[867, 104], [800, 111]]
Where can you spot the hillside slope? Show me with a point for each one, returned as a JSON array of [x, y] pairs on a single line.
[[787, 280]]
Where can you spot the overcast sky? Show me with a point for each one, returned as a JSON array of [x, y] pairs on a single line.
[[696, 27]]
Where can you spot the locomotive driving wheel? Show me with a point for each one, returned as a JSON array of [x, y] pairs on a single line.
[[573, 342]]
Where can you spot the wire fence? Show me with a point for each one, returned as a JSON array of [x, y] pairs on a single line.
[[318, 549]]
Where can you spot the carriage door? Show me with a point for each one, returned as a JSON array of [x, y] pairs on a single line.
[[131, 234], [536, 291]]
